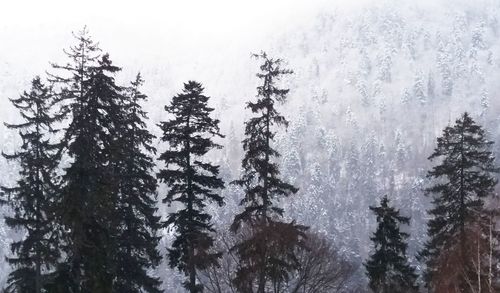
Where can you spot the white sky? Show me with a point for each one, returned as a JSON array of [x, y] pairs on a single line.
[[209, 18], [156, 33], [206, 40], [32, 33]]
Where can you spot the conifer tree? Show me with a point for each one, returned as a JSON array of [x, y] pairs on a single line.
[[35, 194], [193, 181], [464, 178], [109, 192], [260, 174], [74, 75], [136, 206], [90, 190], [267, 253], [387, 267]]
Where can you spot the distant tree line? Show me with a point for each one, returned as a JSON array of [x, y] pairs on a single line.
[[86, 198]]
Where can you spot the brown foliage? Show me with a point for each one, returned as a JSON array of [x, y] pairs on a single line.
[[322, 268], [268, 255], [469, 262], [317, 265]]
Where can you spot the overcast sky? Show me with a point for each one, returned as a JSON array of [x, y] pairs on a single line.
[[179, 35], [206, 40], [178, 25]]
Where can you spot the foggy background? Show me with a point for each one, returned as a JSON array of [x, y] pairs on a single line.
[[375, 82]]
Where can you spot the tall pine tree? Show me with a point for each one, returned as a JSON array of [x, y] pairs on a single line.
[[463, 179], [387, 267], [34, 197], [267, 251], [91, 182], [193, 181], [109, 190], [136, 207]]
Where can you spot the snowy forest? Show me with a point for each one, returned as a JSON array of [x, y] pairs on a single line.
[[334, 147]]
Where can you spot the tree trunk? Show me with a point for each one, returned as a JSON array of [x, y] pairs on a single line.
[[191, 266], [192, 273], [38, 277]]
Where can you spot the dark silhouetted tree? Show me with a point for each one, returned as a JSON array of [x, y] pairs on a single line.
[[91, 185], [193, 181], [260, 265], [388, 268], [35, 195], [108, 207], [73, 77], [463, 179], [137, 238]]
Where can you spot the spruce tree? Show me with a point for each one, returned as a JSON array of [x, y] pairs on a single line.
[[193, 181], [109, 191], [260, 176], [463, 179], [387, 268], [136, 206], [91, 185], [74, 75], [35, 194], [267, 250]]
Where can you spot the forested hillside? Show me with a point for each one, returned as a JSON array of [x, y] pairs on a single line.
[[373, 87]]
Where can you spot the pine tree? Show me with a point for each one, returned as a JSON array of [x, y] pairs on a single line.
[[76, 73], [267, 251], [91, 185], [463, 180], [109, 201], [261, 175], [136, 206], [35, 194], [387, 267], [192, 180]]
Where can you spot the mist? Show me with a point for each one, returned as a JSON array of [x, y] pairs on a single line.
[[374, 84]]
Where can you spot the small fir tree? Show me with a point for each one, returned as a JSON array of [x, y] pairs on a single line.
[[387, 268]]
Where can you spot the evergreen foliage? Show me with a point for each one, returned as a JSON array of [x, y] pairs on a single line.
[[267, 252], [109, 204], [463, 179], [91, 184], [192, 180], [260, 176], [35, 195], [137, 238], [387, 267]]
